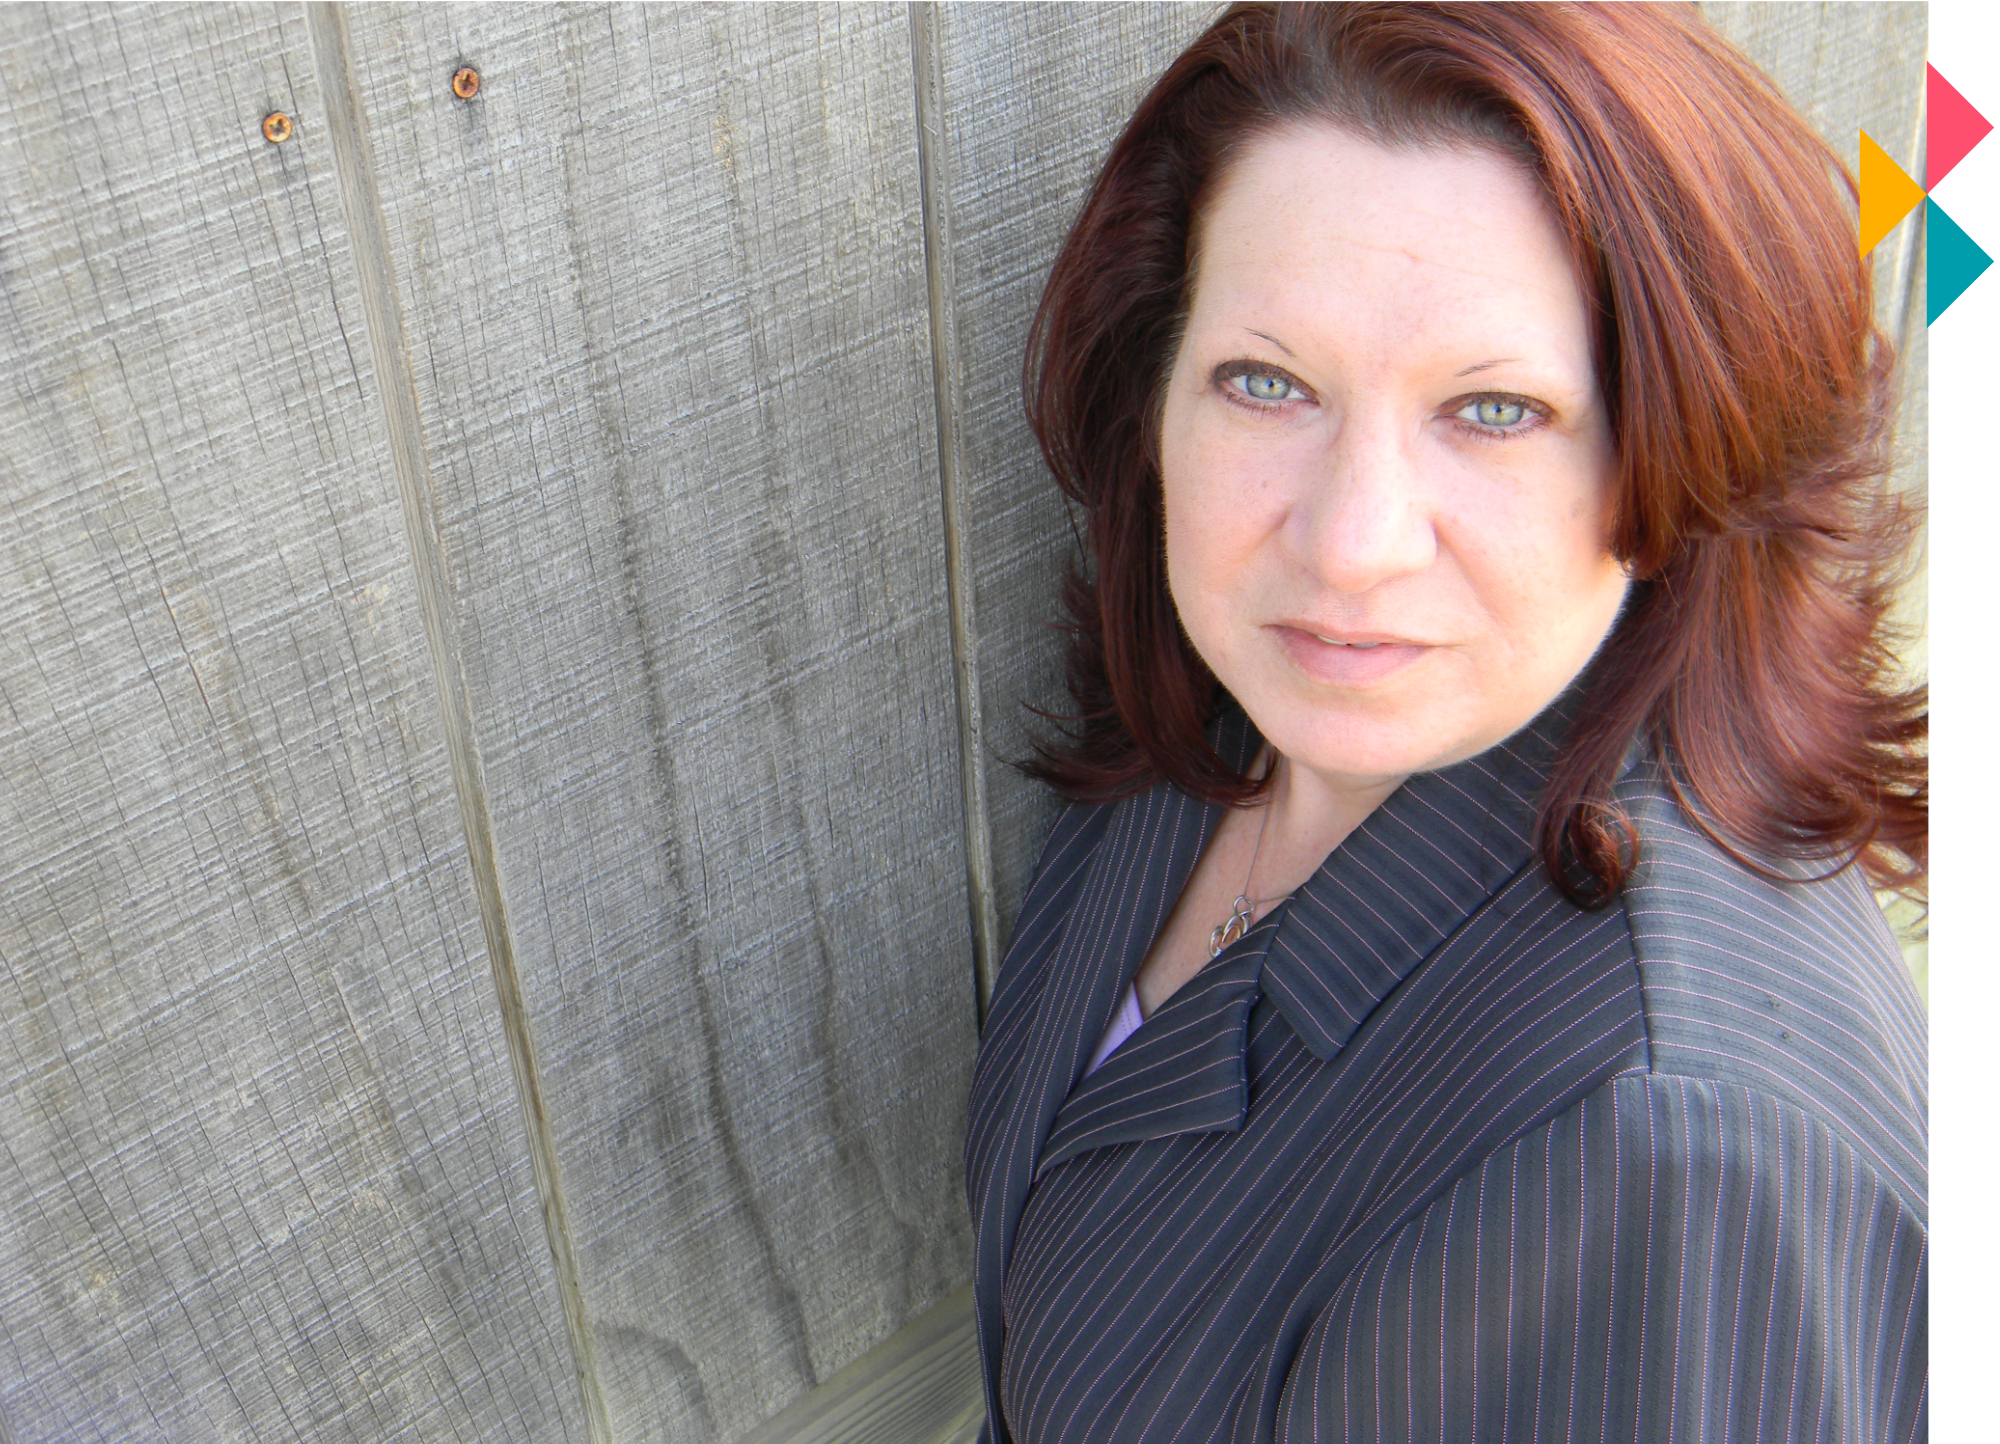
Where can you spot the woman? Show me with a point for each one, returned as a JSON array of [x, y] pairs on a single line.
[[1453, 1006]]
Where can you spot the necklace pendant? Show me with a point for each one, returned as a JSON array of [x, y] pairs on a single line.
[[1241, 915]]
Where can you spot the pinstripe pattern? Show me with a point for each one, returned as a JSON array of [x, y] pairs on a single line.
[[1432, 1154]]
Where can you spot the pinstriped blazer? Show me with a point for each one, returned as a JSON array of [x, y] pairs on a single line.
[[1431, 1154]]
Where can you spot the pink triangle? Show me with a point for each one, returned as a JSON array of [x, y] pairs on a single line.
[[1954, 126]]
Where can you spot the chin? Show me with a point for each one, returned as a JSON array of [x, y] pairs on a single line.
[[1376, 743], [1378, 759]]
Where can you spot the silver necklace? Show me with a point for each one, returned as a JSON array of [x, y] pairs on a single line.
[[1242, 912]]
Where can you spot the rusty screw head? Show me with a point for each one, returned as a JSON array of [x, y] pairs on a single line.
[[277, 127], [465, 83]]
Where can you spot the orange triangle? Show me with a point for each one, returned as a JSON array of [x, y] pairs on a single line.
[[1887, 194]]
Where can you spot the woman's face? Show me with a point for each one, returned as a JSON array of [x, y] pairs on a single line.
[[1387, 467]]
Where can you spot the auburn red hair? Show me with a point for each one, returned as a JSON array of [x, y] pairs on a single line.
[[1749, 391]]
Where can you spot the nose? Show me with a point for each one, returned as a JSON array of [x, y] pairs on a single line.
[[1365, 517]]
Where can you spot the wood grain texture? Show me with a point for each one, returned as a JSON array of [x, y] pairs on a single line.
[[1033, 97], [664, 292], [261, 1165], [920, 1386]]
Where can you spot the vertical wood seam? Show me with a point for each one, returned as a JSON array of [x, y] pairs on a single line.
[[934, 185], [354, 165]]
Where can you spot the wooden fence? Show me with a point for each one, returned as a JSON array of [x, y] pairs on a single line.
[[513, 611]]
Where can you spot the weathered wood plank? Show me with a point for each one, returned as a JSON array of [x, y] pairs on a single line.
[[261, 1166], [1033, 96], [666, 304], [920, 1386]]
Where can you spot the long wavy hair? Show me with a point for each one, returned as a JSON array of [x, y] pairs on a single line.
[[1749, 390]]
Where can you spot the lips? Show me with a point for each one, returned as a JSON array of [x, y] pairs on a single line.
[[1348, 659]]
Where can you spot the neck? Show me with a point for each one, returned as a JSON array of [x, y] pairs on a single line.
[[1310, 815]]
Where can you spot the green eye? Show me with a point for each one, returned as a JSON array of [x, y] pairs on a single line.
[[1496, 411], [1264, 387]]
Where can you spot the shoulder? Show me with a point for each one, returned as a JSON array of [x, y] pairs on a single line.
[[1669, 1258], [1791, 989]]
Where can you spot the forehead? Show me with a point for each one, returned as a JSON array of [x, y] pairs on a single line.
[[1312, 214]]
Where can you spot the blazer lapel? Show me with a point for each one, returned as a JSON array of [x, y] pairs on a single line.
[[1409, 877], [1183, 1071], [1404, 882], [1129, 886]]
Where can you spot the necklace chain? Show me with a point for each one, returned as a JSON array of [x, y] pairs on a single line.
[[1243, 912]]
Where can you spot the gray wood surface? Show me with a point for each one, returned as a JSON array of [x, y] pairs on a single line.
[[919, 1386], [488, 933], [261, 1163], [664, 292]]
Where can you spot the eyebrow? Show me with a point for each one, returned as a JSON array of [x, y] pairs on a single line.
[[1286, 349], [1483, 365]]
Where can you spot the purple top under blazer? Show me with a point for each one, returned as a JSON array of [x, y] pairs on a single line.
[[1432, 1154]]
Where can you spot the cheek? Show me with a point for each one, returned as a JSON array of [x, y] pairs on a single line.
[[1542, 565], [1582, 585], [1223, 507], [1195, 494], [1197, 559]]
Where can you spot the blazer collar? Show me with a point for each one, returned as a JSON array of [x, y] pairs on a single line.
[[1129, 888], [1183, 1071], [1404, 881], [1384, 901]]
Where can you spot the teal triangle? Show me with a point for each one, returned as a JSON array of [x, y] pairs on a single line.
[[1955, 260]]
